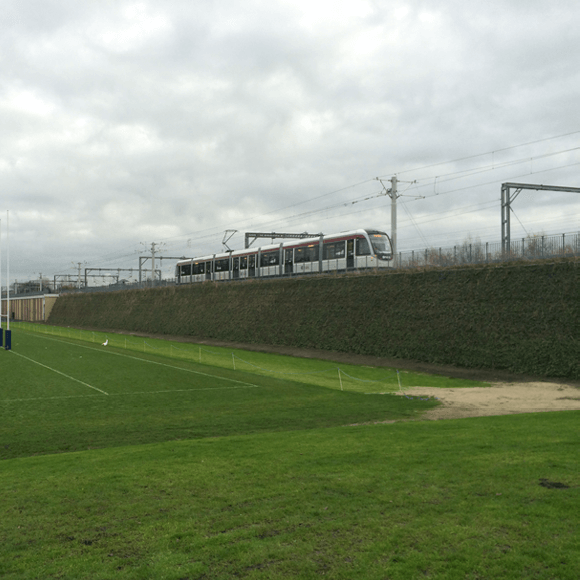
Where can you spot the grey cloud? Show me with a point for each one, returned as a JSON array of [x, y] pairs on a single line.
[[131, 122]]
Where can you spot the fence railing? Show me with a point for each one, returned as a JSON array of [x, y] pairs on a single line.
[[476, 252], [469, 252]]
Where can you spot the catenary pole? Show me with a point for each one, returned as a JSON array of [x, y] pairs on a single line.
[[392, 193], [394, 218]]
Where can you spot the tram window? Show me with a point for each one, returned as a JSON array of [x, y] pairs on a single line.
[[185, 270], [381, 243], [222, 265], [362, 247], [244, 263], [269, 259], [333, 251], [306, 253], [314, 252]]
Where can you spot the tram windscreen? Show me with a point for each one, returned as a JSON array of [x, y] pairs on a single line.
[[381, 244]]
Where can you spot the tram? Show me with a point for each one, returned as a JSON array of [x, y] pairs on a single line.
[[353, 250]]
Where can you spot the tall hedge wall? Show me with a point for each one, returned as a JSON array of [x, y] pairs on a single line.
[[522, 317]]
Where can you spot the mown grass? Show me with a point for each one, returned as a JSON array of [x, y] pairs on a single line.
[[453, 499], [60, 394], [195, 479], [355, 378]]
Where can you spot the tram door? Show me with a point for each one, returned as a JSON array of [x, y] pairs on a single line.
[[208, 270], [288, 261], [349, 254], [251, 266], [236, 268]]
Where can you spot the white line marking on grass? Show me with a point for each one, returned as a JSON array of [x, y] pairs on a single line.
[[60, 373], [247, 386], [151, 361], [128, 394], [52, 398]]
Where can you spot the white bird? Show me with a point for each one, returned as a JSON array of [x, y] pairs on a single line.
[[106, 342]]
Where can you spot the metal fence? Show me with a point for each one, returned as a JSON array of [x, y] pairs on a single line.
[[469, 252], [476, 252], [117, 287]]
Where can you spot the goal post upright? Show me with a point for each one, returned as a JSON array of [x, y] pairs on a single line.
[[8, 341], [1, 310]]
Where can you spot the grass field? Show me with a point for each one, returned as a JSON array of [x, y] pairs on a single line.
[[65, 394], [119, 463], [355, 378]]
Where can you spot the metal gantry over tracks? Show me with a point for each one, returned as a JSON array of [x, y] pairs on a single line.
[[506, 199]]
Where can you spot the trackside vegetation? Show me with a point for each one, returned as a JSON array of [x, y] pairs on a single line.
[[520, 317], [118, 463]]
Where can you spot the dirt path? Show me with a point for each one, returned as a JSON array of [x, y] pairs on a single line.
[[500, 399]]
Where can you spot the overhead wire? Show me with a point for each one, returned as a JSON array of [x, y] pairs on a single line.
[[475, 156], [213, 232], [450, 177]]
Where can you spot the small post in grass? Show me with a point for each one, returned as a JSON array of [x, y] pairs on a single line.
[[340, 379]]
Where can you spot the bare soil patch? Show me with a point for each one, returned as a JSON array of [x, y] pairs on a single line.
[[500, 399]]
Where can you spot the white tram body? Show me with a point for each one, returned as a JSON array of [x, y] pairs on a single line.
[[352, 250]]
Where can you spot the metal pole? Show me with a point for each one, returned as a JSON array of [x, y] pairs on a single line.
[[394, 217], [8, 331], [505, 193], [1, 329], [563, 244]]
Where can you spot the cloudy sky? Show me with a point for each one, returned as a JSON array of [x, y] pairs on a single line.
[[128, 123]]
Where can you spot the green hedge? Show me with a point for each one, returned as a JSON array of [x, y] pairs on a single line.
[[517, 317]]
